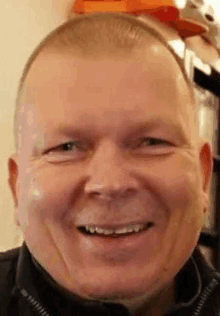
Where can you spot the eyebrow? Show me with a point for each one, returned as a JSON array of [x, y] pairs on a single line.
[[135, 128]]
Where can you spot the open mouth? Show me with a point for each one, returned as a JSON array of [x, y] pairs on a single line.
[[127, 231]]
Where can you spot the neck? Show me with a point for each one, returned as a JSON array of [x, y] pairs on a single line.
[[158, 305]]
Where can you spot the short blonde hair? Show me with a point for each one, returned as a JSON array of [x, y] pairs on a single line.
[[95, 35]]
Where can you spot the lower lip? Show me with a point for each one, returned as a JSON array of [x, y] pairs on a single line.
[[122, 241]]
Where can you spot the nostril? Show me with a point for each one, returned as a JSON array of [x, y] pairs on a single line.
[[209, 18]]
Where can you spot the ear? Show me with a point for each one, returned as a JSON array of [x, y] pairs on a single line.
[[13, 181], [206, 160]]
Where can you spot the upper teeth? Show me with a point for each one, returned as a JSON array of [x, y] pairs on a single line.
[[124, 230]]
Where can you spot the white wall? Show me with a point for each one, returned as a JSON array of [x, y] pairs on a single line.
[[23, 24]]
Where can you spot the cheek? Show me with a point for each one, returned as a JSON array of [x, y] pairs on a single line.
[[187, 211], [176, 182], [41, 197], [177, 185], [184, 199], [183, 191], [180, 192]]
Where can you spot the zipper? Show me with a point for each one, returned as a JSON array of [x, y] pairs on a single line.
[[204, 296], [36, 305], [42, 311]]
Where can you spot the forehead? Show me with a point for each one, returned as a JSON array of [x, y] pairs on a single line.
[[153, 64], [107, 92]]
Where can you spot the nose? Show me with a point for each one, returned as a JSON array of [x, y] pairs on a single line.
[[109, 176]]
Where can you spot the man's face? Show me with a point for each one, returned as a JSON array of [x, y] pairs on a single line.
[[112, 174]]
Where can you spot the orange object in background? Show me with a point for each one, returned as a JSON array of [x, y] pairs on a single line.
[[164, 10], [118, 5]]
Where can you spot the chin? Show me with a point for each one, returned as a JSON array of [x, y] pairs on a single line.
[[114, 291]]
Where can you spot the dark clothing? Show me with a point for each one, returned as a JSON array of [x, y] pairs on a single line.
[[26, 289]]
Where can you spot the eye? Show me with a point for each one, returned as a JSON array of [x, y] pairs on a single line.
[[67, 147], [153, 141]]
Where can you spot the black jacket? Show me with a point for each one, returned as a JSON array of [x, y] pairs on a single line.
[[26, 289]]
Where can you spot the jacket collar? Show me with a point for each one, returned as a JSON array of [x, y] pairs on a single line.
[[40, 286], [190, 281]]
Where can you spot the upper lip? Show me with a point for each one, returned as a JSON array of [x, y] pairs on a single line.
[[115, 225]]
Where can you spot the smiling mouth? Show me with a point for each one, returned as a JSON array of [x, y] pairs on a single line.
[[95, 231]]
